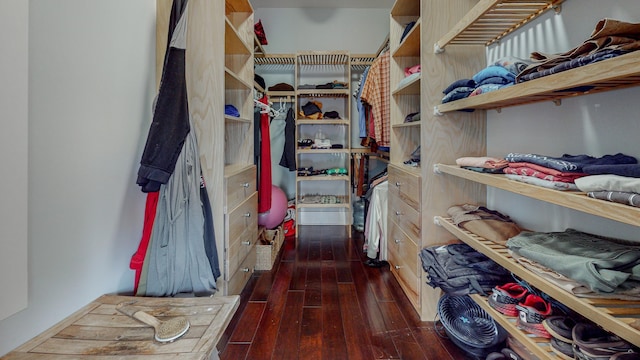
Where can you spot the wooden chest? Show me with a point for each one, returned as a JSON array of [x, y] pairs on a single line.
[[99, 331]]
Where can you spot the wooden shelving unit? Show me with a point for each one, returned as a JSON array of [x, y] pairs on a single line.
[[444, 185], [321, 68], [619, 317]]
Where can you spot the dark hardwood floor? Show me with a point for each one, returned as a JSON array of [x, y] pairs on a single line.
[[320, 301]]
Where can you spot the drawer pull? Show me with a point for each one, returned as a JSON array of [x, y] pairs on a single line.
[[245, 185], [245, 269], [398, 213], [398, 184], [397, 241], [248, 214], [397, 267], [248, 243]]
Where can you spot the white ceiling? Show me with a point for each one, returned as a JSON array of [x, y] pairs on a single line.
[[385, 4]]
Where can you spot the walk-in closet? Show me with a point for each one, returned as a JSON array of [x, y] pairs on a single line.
[[293, 179]]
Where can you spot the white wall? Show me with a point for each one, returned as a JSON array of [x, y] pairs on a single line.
[[14, 99], [289, 30], [91, 85], [596, 125]]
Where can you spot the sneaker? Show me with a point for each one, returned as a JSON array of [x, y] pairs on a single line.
[[505, 298], [560, 327], [591, 342], [531, 313]]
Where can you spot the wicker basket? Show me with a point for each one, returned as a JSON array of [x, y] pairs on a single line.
[[268, 248]]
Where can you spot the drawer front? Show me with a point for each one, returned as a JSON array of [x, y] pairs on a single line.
[[239, 187], [405, 186], [406, 217], [403, 258], [243, 274], [241, 233]]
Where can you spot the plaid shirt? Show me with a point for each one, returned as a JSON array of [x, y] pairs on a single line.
[[376, 93]]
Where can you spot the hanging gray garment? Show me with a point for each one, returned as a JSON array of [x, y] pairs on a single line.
[[178, 260]]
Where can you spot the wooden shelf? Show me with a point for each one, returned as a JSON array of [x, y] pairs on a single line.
[[237, 6], [406, 8], [234, 82], [569, 199], [323, 122], [619, 317], [275, 59], [491, 20], [323, 178], [323, 92], [233, 43], [619, 72], [323, 206], [323, 151], [541, 347], [413, 124], [323, 58], [258, 50], [410, 45], [228, 119], [410, 88]]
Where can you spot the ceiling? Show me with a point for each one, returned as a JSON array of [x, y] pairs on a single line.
[[385, 4]]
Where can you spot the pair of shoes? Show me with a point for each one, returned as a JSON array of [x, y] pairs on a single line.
[[375, 263], [560, 328], [505, 298], [591, 342], [531, 313], [504, 354]]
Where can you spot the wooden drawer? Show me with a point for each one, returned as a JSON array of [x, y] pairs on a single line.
[[241, 233], [405, 186], [406, 217], [239, 187], [243, 274], [403, 258]]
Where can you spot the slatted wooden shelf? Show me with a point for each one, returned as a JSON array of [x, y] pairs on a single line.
[[275, 59], [323, 58], [619, 317], [540, 347], [622, 71], [569, 199], [491, 20]]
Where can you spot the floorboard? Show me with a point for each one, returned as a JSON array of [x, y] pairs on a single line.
[[320, 301]]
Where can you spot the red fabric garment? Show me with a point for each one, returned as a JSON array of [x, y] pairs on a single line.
[[264, 188], [137, 260]]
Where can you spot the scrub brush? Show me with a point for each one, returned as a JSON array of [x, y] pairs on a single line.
[[165, 331]]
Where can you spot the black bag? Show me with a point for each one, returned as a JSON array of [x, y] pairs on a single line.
[[458, 269]]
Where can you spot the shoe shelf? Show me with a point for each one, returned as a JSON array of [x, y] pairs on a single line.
[[619, 72], [569, 199], [621, 317], [539, 346], [491, 20]]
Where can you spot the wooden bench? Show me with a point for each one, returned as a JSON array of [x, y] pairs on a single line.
[[99, 331]]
